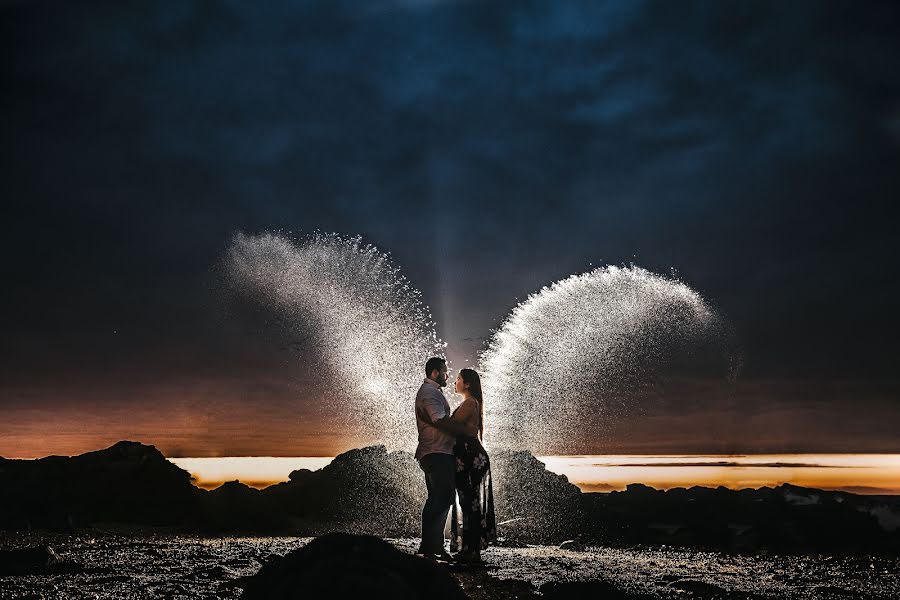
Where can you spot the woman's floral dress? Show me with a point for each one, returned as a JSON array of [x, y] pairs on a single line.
[[476, 497]]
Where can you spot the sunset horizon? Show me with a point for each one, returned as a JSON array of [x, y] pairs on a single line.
[[869, 474], [858, 473]]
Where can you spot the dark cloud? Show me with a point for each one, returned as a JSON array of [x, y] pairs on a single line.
[[490, 147]]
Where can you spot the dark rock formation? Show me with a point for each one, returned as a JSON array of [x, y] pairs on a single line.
[[782, 519], [534, 505], [236, 507], [341, 565], [368, 490], [128, 482], [39, 560], [300, 475], [371, 490]]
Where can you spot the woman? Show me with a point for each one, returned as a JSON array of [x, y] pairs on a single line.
[[473, 471]]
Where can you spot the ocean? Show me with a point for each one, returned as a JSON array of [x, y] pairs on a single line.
[[856, 473]]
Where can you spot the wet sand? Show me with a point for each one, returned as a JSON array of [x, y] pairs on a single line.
[[179, 566]]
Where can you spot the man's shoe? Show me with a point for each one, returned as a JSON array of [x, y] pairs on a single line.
[[441, 557]]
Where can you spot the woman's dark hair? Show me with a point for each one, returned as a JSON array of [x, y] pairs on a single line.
[[470, 377]]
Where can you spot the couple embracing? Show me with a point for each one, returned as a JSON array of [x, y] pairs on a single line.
[[454, 461]]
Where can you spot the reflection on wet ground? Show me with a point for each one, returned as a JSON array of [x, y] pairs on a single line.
[[167, 566]]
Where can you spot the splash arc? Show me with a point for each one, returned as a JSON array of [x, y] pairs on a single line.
[[366, 321], [567, 356]]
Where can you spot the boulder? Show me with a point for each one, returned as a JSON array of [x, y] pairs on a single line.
[[366, 490], [37, 560], [340, 565], [534, 505]]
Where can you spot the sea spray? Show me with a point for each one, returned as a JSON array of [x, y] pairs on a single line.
[[364, 320], [568, 357]]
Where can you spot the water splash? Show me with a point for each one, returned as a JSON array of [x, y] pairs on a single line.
[[368, 324], [565, 360], [568, 356]]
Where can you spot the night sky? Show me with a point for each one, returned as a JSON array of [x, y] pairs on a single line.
[[750, 148]]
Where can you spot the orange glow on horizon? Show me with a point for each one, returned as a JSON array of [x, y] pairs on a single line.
[[255, 471], [857, 473]]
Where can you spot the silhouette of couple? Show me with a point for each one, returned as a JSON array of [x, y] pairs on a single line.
[[454, 461]]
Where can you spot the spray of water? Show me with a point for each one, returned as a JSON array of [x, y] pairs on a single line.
[[368, 325], [568, 356]]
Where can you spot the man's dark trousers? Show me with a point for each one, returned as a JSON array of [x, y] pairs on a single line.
[[440, 479]]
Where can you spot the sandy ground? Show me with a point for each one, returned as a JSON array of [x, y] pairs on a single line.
[[178, 566]]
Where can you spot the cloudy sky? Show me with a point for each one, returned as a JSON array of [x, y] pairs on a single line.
[[753, 148]]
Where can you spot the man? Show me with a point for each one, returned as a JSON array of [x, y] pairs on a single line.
[[435, 456]]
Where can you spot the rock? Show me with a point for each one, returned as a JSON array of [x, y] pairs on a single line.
[[370, 490], [38, 560], [300, 475], [213, 572], [128, 482], [367, 490], [534, 505], [237, 582], [573, 545], [235, 507], [745, 521], [340, 565], [641, 489], [700, 589], [585, 590]]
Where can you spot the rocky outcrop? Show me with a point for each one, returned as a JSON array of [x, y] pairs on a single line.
[[340, 565], [128, 482], [38, 560], [366, 490], [235, 507], [374, 491], [782, 519], [534, 505]]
